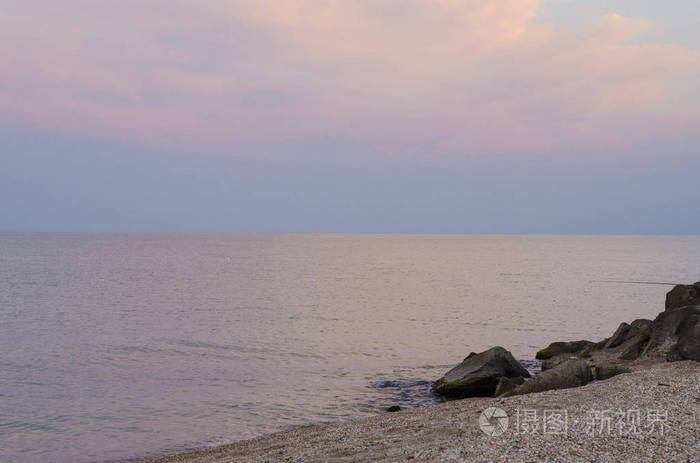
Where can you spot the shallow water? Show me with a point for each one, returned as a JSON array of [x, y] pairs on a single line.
[[116, 346]]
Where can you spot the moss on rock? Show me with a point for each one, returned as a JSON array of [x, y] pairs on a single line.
[[557, 348]]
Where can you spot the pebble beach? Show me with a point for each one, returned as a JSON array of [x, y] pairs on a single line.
[[649, 414]]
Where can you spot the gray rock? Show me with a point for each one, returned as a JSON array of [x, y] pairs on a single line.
[[606, 370], [508, 384], [640, 326], [572, 373], [683, 295], [592, 348], [619, 336], [552, 362], [632, 348], [479, 374], [688, 346], [629, 340], [557, 348], [674, 334]]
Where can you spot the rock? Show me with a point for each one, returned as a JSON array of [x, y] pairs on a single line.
[[393, 408], [689, 339], [668, 326], [618, 336], [628, 340], [589, 349], [674, 334], [639, 326], [683, 295], [606, 370], [478, 374], [508, 384], [632, 348], [557, 348], [552, 362], [572, 373]]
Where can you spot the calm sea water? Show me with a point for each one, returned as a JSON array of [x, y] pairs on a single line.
[[115, 346]]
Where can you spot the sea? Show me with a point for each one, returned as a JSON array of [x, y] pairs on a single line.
[[115, 347]]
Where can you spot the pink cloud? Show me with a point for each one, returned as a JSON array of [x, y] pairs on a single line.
[[616, 28], [471, 74]]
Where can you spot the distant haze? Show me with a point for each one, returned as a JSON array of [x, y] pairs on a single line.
[[387, 116]]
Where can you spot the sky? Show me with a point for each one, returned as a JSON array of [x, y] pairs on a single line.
[[350, 116]]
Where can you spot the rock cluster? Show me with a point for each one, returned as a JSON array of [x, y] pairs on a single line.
[[672, 336]]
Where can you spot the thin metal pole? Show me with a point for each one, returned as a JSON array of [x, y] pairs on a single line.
[[636, 282]]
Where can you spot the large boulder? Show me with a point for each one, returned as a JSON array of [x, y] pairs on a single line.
[[688, 346], [683, 295], [572, 373], [557, 348], [479, 374], [675, 335]]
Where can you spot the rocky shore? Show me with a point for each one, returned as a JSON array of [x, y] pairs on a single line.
[[634, 396], [672, 336]]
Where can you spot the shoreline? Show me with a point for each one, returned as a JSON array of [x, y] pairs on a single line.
[[662, 396]]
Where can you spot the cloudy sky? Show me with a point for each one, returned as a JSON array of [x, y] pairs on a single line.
[[416, 116]]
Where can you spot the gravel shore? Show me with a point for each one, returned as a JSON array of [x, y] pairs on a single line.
[[650, 414]]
